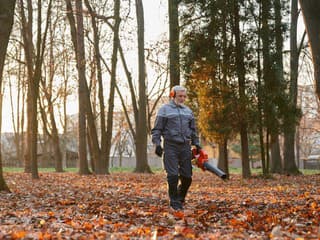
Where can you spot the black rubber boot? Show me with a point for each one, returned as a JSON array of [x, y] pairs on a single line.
[[173, 192], [183, 187]]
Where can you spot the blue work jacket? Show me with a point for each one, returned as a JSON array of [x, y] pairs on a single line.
[[175, 123]]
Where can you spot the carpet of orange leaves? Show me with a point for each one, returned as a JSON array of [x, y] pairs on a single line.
[[135, 206]]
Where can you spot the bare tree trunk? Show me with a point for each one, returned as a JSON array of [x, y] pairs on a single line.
[[77, 37], [6, 22], [289, 163], [34, 76], [54, 132], [268, 78], [114, 60], [223, 163], [28, 52], [310, 10], [102, 162], [141, 132], [276, 161], [174, 58], [260, 102], [83, 165], [242, 85], [276, 165]]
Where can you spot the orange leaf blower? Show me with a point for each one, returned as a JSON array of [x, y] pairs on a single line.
[[201, 161]]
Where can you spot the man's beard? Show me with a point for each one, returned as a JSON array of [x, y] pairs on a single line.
[[179, 104]]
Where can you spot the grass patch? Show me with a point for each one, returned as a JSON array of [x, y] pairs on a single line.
[[310, 171]]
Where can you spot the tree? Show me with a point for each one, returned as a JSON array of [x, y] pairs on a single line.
[[114, 58], [34, 61], [242, 95], [276, 161], [290, 128], [48, 117], [310, 10], [77, 37], [6, 22], [141, 126], [102, 161], [174, 42]]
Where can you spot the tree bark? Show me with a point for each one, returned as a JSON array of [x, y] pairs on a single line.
[[80, 55], [114, 60], [223, 163], [29, 55], [289, 163], [77, 37], [34, 76], [174, 52], [102, 162], [57, 155], [6, 23], [310, 10], [268, 77], [246, 173], [141, 132], [276, 161]]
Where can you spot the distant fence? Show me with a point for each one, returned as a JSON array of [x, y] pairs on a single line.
[[311, 164], [71, 161]]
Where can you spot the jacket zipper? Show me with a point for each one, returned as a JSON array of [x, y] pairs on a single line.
[[180, 123]]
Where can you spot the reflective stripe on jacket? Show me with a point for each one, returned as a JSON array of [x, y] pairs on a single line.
[[175, 123]]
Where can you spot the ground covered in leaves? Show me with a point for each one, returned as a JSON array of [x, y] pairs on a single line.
[[135, 206]]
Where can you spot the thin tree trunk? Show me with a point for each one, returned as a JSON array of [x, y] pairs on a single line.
[[276, 165], [102, 162], [141, 132], [246, 173], [77, 37], [276, 161], [6, 22], [174, 52], [83, 162], [57, 155], [114, 60], [290, 166], [28, 52], [268, 78], [260, 104], [223, 163]]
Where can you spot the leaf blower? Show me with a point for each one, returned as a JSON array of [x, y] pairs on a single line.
[[201, 161]]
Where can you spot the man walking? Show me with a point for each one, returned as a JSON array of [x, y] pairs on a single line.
[[175, 124]]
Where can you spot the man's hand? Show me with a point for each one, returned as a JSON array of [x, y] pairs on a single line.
[[159, 150], [198, 148]]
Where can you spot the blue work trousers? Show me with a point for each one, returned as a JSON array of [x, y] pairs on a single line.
[[177, 159]]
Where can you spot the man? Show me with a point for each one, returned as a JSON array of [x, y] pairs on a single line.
[[175, 123]]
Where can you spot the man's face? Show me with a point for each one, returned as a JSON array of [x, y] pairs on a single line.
[[180, 97]]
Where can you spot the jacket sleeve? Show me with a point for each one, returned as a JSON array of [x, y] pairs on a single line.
[[159, 127], [194, 134]]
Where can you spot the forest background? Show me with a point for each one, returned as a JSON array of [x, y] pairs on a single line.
[[241, 62], [242, 85]]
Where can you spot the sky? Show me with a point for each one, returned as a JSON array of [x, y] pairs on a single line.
[[155, 18], [155, 25]]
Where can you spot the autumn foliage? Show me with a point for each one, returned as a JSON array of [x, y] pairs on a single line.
[[135, 206]]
